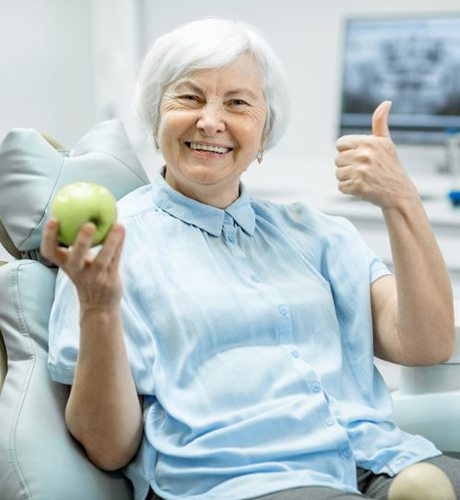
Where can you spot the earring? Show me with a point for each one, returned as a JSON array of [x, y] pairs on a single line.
[[260, 157]]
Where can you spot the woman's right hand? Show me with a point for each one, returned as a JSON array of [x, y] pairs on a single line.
[[103, 411], [96, 276]]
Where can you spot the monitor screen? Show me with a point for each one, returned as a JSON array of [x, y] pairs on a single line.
[[413, 62]]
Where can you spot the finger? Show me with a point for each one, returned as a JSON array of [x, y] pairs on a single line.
[[80, 249], [380, 120], [111, 248], [49, 246], [344, 173], [345, 158], [117, 255], [347, 187], [347, 142]]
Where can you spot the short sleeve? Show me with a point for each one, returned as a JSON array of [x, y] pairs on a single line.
[[349, 255], [63, 328], [64, 337], [352, 267], [377, 268]]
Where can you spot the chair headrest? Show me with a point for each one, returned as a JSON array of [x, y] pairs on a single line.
[[32, 171]]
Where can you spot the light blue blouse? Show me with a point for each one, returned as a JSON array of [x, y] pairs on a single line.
[[249, 333]]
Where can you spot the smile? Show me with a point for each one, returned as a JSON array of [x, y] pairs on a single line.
[[196, 146]]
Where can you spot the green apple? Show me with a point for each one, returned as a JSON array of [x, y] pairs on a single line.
[[81, 202]]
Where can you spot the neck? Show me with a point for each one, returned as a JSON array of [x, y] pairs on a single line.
[[215, 196]]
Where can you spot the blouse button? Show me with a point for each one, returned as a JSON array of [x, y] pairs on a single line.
[[315, 387], [283, 310]]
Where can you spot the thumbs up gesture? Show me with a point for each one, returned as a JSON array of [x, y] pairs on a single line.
[[368, 166]]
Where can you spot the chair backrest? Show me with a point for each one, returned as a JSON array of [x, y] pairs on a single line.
[[39, 460]]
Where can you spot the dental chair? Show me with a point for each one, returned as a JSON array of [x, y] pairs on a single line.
[[39, 460]]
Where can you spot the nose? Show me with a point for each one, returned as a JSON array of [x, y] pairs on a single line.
[[211, 120]]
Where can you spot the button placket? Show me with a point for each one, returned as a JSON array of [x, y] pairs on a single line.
[[284, 324], [230, 234], [229, 229]]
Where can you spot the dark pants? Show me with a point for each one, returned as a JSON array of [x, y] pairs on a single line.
[[371, 485]]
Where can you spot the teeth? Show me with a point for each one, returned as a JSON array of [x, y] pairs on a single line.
[[206, 147]]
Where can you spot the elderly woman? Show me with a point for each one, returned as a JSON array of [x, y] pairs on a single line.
[[227, 352]]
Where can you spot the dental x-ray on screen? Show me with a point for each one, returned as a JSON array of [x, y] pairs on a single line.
[[412, 61]]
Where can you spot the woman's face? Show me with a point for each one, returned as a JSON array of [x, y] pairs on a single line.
[[211, 128]]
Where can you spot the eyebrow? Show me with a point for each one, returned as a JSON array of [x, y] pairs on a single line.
[[238, 91]]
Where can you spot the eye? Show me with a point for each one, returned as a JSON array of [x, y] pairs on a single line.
[[189, 97], [189, 100], [239, 102]]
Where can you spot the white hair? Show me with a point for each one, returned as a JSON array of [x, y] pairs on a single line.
[[207, 44]]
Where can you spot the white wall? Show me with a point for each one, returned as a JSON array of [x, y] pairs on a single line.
[[46, 77]]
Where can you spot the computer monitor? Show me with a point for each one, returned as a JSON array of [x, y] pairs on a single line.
[[414, 61]]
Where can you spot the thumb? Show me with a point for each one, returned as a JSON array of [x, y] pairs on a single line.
[[380, 120]]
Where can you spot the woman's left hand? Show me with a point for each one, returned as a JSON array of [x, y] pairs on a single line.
[[368, 166], [413, 316]]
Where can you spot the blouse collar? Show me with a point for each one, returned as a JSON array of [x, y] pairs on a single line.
[[206, 217]]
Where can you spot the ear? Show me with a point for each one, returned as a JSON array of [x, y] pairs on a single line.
[[155, 132], [268, 125], [263, 140]]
